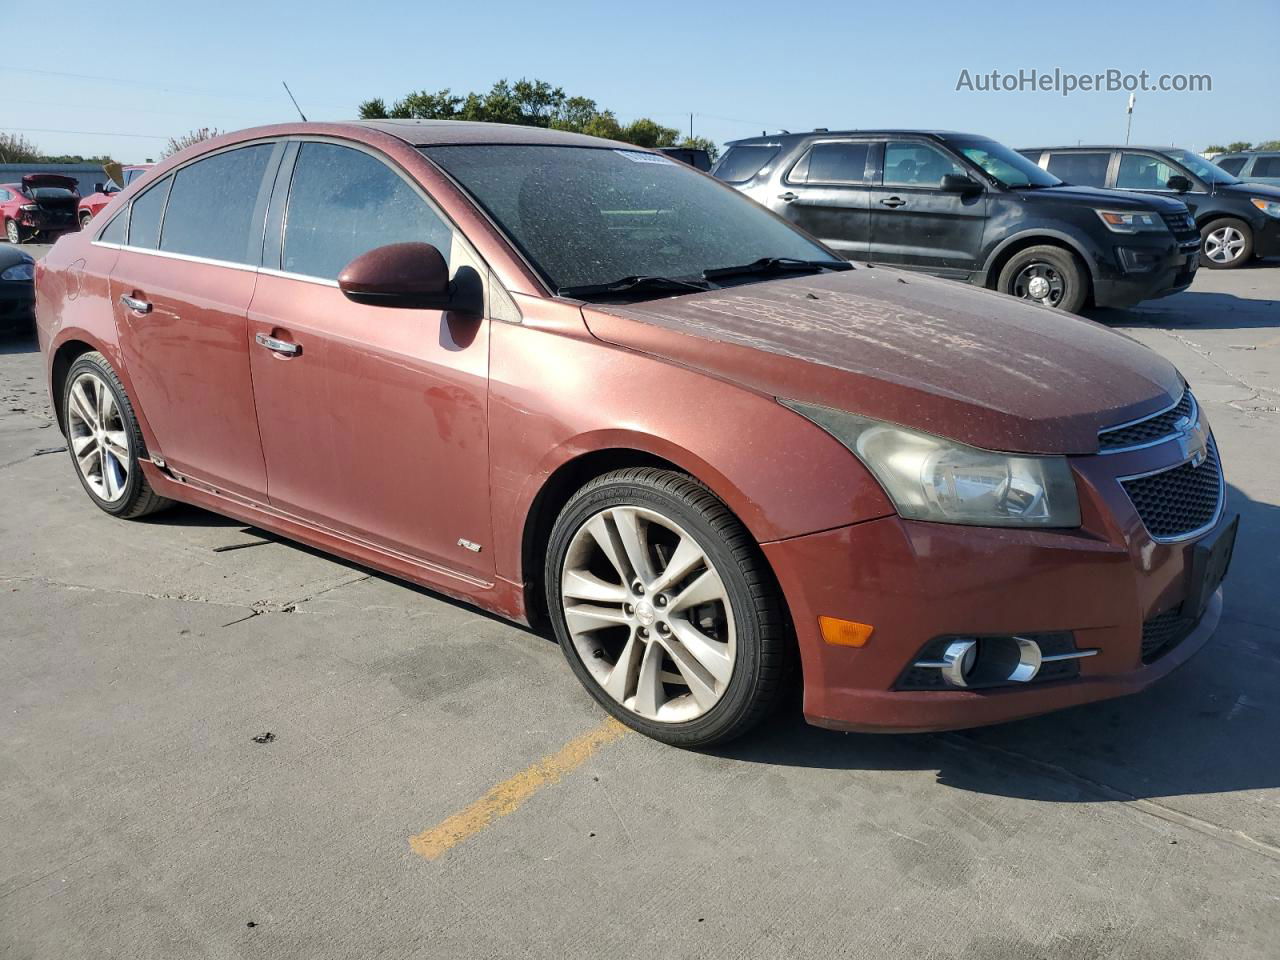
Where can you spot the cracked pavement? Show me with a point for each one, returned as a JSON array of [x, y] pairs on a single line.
[[140, 818]]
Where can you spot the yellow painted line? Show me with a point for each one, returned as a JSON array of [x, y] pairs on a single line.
[[509, 795]]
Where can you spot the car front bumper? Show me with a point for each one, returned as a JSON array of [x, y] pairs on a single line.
[[914, 581], [1266, 238], [17, 304], [1146, 273]]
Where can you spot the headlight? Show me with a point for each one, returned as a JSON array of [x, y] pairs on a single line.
[[1130, 221], [29, 207], [930, 478], [1270, 207], [19, 271]]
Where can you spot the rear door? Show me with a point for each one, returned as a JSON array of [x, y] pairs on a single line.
[[373, 420], [827, 192], [917, 224], [181, 288]]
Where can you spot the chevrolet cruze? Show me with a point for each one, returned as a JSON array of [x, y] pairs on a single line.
[[568, 379]]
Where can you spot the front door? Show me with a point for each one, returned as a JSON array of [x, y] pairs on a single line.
[[373, 419], [827, 193], [181, 288], [917, 224]]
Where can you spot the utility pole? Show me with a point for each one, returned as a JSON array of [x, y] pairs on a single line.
[[691, 126], [1128, 126]]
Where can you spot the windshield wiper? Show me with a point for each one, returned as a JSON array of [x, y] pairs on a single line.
[[636, 284], [766, 265]]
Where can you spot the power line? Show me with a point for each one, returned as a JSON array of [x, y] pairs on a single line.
[[90, 133]]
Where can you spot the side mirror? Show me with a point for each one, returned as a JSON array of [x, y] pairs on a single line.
[[99, 188], [1178, 183], [958, 183], [399, 275]]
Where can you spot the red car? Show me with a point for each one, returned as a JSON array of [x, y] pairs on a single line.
[[560, 377], [92, 205], [43, 205]]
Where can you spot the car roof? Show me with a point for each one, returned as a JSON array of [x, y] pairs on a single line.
[[805, 134], [1109, 146], [432, 133]]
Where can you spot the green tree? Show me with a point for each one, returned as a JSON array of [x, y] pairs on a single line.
[[530, 103], [15, 148], [1268, 145], [1239, 145]]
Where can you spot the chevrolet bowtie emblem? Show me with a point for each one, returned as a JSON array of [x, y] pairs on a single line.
[[1192, 441]]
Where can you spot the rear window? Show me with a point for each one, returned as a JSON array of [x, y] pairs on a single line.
[[743, 162], [1084, 169], [210, 212], [1233, 165], [1264, 167], [834, 162]]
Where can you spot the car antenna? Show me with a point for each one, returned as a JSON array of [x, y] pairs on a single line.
[[295, 101]]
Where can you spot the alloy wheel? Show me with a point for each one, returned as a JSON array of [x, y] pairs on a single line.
[[1040, 282], [648, 614], [11, 232], [98, 438], [1224, 244]]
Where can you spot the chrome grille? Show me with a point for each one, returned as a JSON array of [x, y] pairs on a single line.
[[1152, 430], [1180, 223], [1181, 501]]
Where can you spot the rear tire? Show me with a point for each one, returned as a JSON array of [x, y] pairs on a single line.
[[695, 653], [1225, 244], [105, 441], [14, 233], [1047, 275]]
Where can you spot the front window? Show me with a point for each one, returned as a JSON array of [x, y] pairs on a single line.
[[909, 163], [1008, 166], [1202, 168], [587, 215]]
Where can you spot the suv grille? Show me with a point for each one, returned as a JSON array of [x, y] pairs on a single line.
[[1180, 223], [1179, 501], [1148, 431], [1163, 632]]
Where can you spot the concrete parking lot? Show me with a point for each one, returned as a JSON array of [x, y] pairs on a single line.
[[215, 743]]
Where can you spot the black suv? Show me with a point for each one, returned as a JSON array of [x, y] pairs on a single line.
[[963, 206], [1237, 221]]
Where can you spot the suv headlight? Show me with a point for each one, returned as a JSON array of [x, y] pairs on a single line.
[[1131, 221], [1270, 207], [931, 478], [19, 271]]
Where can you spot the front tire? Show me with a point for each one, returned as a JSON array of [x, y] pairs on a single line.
[[664, 607], [14, 233], [105, 441], [1225, 244], [1047, 275]]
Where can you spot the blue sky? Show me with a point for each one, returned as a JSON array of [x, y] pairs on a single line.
[[165, 68]]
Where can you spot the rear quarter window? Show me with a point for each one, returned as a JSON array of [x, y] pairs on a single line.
[[743, 162]]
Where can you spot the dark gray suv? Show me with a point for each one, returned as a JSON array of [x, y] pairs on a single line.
[[966, 207]]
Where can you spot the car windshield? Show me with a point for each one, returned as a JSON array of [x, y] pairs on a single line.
[[1008, 166], [1202, 168], [589, 216]]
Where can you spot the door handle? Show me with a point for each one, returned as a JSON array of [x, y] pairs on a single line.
[[894, 202], [788, 196], [277, 346], [134, 304]]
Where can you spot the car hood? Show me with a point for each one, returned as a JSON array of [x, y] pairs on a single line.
[[1248, 188], [1111, 199], [940, 356]]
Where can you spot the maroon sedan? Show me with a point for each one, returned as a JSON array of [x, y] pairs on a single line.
[[565, 378], [42, 206]]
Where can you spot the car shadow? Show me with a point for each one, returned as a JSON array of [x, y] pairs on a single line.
[[1209, 728], [1198, 309]]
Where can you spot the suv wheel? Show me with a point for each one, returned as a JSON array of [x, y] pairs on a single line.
[[105, 441], [663, 607], [1225, 243], [1047, 275]]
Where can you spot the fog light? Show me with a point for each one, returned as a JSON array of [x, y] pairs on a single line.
[[1135, 260]]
